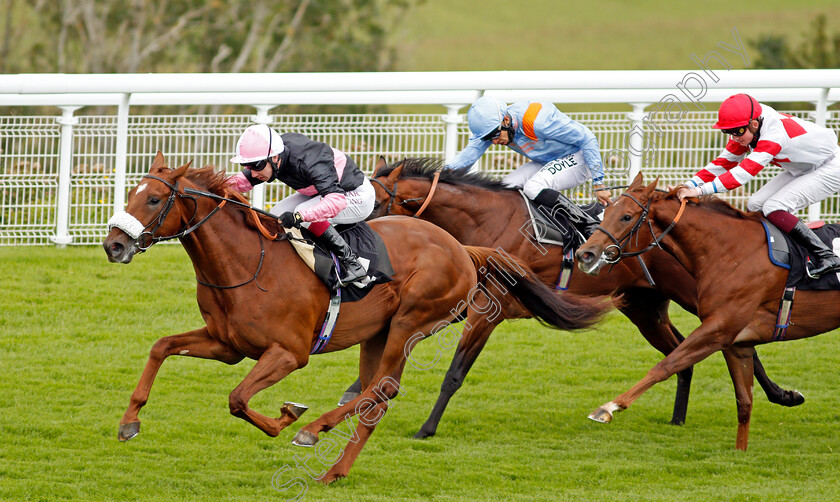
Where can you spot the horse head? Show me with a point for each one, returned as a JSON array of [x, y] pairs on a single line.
[[152, 213], [623, 220], [385, 179]]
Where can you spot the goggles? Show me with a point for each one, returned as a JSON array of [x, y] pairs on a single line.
[[256, 166], [736, 131], [495, 133]]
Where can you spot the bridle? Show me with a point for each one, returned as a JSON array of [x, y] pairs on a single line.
[[643, 218], [392, 195], [193, 194]]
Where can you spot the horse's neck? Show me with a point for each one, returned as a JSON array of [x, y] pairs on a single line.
[[473, 215], [224, 250], [698, 241]]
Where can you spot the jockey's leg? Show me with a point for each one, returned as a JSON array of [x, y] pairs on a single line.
[[544, 188], [351, 269], [799, 193], [521, 174], [826, 260]]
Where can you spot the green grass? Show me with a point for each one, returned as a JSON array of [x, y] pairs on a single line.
[[586, 35], [75, 333]]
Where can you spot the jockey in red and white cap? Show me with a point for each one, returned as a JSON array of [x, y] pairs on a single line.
[[330, 187], [807, 153]]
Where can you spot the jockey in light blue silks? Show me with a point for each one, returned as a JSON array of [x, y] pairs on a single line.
[[563, 153]]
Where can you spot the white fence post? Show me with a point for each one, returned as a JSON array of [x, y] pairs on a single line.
[[820, 114], [65, 170], [452, 119], [262, 117], [121, 161], [636, 145]]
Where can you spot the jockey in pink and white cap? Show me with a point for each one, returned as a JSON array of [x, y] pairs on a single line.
[[330, 187]]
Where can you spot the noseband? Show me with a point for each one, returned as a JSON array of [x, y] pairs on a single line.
[[643, 218]]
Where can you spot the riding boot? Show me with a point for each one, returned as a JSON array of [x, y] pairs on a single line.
[[351, 269], [826, 260], [584, 222]]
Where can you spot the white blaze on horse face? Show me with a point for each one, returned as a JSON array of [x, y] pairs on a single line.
[[184, 352], [141, 187]]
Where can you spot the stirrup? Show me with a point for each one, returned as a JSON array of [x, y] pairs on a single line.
[[350, 279], [812, 275]]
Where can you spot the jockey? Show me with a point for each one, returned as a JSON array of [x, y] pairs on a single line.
[[563, 153], [330, 187], [807, 153]]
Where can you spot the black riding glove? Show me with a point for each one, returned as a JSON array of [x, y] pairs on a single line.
[[290, 219]]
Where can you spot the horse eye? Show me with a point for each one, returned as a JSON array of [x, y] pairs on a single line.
[[626, 217], [153, 201]]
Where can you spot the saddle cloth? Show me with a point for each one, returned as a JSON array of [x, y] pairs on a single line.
[[366, 243], [786, 253], [553, 227]]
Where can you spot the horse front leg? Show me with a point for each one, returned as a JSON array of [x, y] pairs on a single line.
[[648, 310], [196, 343], [357, 441], [705, 340], [272, 366]]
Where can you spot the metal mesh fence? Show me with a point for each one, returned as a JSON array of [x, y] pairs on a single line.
[[29, 157]]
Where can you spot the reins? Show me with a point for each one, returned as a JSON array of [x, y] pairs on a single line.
[[392, 195], [193, 194]]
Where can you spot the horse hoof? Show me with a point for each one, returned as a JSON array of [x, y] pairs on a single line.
[[128, 431], [795, 398], [294, 409], [347, 397], [329, 478], [604, 413], [305, 438], [421, 434]]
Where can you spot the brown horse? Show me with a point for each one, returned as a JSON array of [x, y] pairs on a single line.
[[480, 211], [259, 300], [738, 290]]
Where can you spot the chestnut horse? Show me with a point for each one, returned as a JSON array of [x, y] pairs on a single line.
[[738, 288], [480, 211], [260, 300]]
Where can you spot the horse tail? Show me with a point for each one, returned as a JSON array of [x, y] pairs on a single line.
[[509, 274]]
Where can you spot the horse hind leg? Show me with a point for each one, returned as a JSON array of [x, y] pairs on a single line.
[[775, 394], [740, 364], [476, 332], [196, 343]]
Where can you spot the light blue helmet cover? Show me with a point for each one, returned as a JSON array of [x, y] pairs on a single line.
[[485, 115]]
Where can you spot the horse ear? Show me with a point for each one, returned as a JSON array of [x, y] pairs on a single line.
[[380, 163], [395, 174], [181, 170], [159, 162], [650, 188], [638, 181]]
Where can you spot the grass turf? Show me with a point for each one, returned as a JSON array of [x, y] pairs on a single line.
[[75, 334]]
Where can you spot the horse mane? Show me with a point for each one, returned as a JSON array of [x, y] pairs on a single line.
[[426, 167], [715, 204], [216, 182]]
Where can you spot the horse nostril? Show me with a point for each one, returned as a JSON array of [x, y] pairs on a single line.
[[115, 249]]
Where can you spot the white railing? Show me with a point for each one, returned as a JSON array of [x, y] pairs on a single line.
[[61, 177]]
